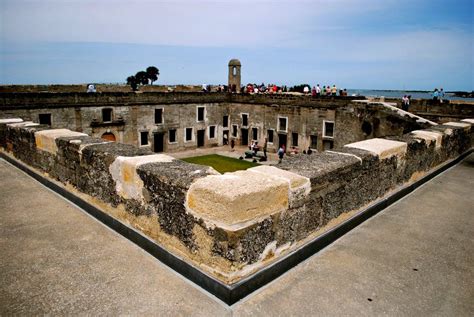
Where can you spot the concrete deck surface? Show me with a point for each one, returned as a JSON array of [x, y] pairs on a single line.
[[414, 258]]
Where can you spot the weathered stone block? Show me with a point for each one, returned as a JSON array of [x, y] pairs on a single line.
[[236, 199], [46, 140], [382, 148], [128, 183]]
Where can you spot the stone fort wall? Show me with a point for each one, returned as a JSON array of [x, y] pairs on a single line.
[[233, 224], [132, 118]]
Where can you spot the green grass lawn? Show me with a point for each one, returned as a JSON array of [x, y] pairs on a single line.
[[220, 163]]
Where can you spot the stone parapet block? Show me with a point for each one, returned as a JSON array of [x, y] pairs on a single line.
[[470, 121], [381, 148], [429, 137], [11, 120], [46, 139], [235, 200], [466, 126], [299, 186], [128, 183], [23, 124]]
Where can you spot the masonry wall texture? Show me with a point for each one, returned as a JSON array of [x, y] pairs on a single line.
[[318, 188], [133, 118]]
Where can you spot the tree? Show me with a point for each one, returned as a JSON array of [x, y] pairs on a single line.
[[132, 81], [152, 73], [141, 77]]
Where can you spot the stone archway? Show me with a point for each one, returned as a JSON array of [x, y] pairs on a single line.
[[109, 136]]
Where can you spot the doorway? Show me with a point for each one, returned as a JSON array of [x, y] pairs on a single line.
[[282, 139], [158, 142], [109, 136], [245, 137], [200, 137], [225, 137]]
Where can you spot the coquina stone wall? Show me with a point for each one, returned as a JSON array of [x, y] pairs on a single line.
[[132, 118], [233, 224]]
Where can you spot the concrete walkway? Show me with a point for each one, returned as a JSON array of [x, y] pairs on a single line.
[[414, 258]]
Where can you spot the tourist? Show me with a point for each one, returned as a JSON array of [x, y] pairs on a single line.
[[309, 151], [313, 92], [318, 90], [441, 95], [408, 101], [334, 90], [345, 92], [404, 103], [280, 153], [232, 144], [328, 90], [306, 90], [323, 92], [435, 95], [265, 148]]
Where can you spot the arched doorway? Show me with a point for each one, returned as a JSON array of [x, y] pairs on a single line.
[[109, 136]]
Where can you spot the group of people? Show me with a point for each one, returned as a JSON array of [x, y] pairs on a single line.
[[325, 91], [438, 95]]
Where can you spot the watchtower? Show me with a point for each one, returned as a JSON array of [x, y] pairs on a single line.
[[234, 74]]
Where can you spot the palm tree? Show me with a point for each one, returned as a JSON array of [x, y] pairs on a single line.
[[152, 73], [141, 77], [132, 81]]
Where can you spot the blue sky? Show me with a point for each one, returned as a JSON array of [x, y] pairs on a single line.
[[370, 44]]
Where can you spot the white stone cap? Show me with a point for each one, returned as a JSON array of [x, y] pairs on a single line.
[[235, 200], [46, 139], [429, 136], [470, 121], [123, 170], [464, 125], [11, 120], [23, 124], [381, 147], [299, 186]]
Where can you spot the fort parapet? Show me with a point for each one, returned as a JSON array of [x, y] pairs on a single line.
[[233, 224]]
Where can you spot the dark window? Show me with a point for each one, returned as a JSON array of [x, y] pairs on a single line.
[[270, 136], [189, 134], [172, 136], [45, 118], [245, 120], [107, 115], [234, 130], [212, 132], [282, 124], [201, 114], [144, 138], [294, 139], [158, 116], [225, 122], [314, 141], [254, 134], [328, 129]]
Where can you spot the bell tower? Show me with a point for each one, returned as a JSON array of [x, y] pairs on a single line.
[[234, 75]]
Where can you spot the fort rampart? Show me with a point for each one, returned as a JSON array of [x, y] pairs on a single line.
[[169, 122], [233, 224]]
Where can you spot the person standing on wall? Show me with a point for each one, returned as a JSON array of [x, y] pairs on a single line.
[[435, 95], [318, 91], [441, 95], [265, 148]]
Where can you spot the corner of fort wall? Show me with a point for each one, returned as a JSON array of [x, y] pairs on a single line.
[[233, 224]]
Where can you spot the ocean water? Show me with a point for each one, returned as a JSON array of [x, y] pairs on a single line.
[[400, 94]]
